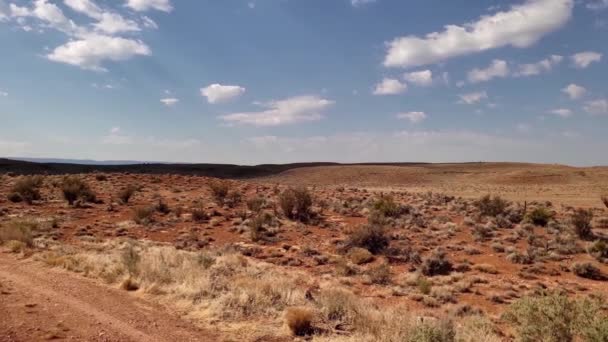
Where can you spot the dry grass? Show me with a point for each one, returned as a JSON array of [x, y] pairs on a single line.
[[299, 320], [17, 231]]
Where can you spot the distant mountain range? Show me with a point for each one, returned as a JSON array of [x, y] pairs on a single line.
[[86, 161]]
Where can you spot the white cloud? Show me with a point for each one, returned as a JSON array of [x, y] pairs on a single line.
[[582, 60], [288, 111], [145, 5], [50, 14], [116, 138], [217, 93], [87, 7], [575, 91], [92, 51], [169, 101], [113, 23], [357, 3], [498, 68], [597, 107], [521, 26], [473, 98], [597, 4], [563, 112], [3, 93], [537, 68], [413, 117], [390, 86], [421, 78]]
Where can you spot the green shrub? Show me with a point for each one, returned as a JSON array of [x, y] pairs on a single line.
[[491, 206], [74, 188], [581, 220], [26, 189], [296, 204], [539, 216], [387, 207], [430, 331]]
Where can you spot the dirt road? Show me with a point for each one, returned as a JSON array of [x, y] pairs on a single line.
[[38, 303]]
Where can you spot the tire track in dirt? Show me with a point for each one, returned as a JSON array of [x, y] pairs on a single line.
[[38, 303]]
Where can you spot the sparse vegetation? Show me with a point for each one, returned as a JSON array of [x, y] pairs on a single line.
[[126, 193], [256, 204], [144, 215], [219, 190], [299, 320], [436, 264], [587, 270], [21, 231], [387, 207], [75, 189], [26, 189], [599, 250]]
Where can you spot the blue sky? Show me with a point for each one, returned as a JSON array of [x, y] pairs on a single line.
[[276, 81]]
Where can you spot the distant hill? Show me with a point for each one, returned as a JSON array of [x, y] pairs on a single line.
[[60, 166]]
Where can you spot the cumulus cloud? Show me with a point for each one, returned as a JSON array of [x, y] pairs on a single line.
[[169, 101], [473, 98], [597, 107], [563, 112], [91, 51], [413, 117], [282, 112], [582, 60], [390, 86], [217, 93], [537, 68], [146, 5], [3, 93], [421, 78], [574, 91], [521, 26], [48, 13], [498, 68], [357, 3]]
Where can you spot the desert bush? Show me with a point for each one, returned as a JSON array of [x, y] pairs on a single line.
[[424, 285], [257, 227], [441, 331], [233, 199], [75, 189], [199, 215], [380, 274], [436, 264], [219, 190], [540, 216], [26, 189], [299, 320], [256, 204], [296, 204], [605, 200], [587, 270], [491, 206], [126, 193], [21, 231], [553, 317], [387, 207], [599, 250], [360, 256], [144, 215], [581, 221], [162, 207], [101, 177], [370, 237]]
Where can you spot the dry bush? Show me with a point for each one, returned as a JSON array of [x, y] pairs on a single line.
[[370, 237], [599, 250], [491, 206], [485, 268], [581, 220], [296, 204], [256, 204], [554, 317], [299, 320], [233, 199], [199, 215], [360, 256], [75, 189], [162, 207], [126, 193], [21, 231], [219, 190], [587, 270], [436, 264], [101, 177], [144, 215], [605, 200], [258, 227], [387, 207], [26, 189], [380, 274], [540, 216]]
